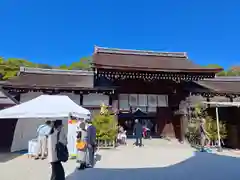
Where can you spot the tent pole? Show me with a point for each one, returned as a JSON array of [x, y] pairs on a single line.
[[218, 130]]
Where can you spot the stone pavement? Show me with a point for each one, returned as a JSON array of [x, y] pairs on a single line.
[[157, 160]]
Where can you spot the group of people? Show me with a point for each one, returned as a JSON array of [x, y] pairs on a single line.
[[86, 144], [50, 135], [140, 130]]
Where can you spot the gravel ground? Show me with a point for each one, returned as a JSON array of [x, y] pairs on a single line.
[[158, 159]]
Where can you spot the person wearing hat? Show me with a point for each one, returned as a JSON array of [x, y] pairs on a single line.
[[138, 133]]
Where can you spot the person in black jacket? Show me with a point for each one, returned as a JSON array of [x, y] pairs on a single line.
[[91, 143], [138, 133]]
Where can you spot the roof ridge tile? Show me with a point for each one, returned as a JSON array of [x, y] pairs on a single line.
[[55, 71], [138, 52]]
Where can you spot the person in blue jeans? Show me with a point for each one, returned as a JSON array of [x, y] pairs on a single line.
[[138, 133]]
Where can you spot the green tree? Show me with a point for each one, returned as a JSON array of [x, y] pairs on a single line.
[[106, 125], [84, 63], [44, 66], [193, 131], [222, 73], [10, 67], [211, 128], [64, 67], [232, 71]]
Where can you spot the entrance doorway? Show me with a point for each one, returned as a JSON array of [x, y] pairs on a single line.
[[7, 128], [127, 121]]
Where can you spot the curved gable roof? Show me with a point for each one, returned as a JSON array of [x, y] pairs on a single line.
[[108, 58]]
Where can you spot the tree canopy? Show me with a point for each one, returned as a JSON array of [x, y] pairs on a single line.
[[9, 67], [232, 71]]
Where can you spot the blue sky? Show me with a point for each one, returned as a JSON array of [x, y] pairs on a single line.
[[60, 32]]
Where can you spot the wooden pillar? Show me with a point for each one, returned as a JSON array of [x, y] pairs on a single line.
[[110, 100], [18, 97], [81, 99]]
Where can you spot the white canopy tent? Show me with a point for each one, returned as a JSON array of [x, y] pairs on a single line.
[[34, 112], [217, 105], [45, 106]]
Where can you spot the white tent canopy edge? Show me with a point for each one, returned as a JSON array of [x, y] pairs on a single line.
[[45, 106], [32, 113]]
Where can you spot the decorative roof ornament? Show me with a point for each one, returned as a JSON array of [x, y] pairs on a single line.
[[104, 109]]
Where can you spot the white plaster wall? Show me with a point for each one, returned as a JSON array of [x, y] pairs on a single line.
[[74, 97], [95, 99]]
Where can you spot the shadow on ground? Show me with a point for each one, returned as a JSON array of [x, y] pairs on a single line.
[[4, 157], [201, 166]]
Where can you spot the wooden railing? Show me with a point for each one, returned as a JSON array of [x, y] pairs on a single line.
[[106, 144]]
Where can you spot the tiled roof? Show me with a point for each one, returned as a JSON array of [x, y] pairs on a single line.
[[108, 58], [222, 84], [51, 78]]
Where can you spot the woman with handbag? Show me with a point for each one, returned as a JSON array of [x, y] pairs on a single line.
[[56, 137], [81, 146]]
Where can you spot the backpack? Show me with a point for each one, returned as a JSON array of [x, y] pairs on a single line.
[[62, 150]]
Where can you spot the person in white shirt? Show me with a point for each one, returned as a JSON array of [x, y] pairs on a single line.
[[43, 132]]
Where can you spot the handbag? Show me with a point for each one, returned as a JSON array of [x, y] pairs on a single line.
[[62, 150], [81, 145]]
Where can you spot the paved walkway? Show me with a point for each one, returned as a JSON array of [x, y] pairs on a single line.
[[158, 159]]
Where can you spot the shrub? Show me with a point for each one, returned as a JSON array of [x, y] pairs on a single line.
[[106, 125], [211, 128], [193, 131]]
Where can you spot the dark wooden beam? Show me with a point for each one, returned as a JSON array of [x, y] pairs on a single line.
[[150, 76]]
